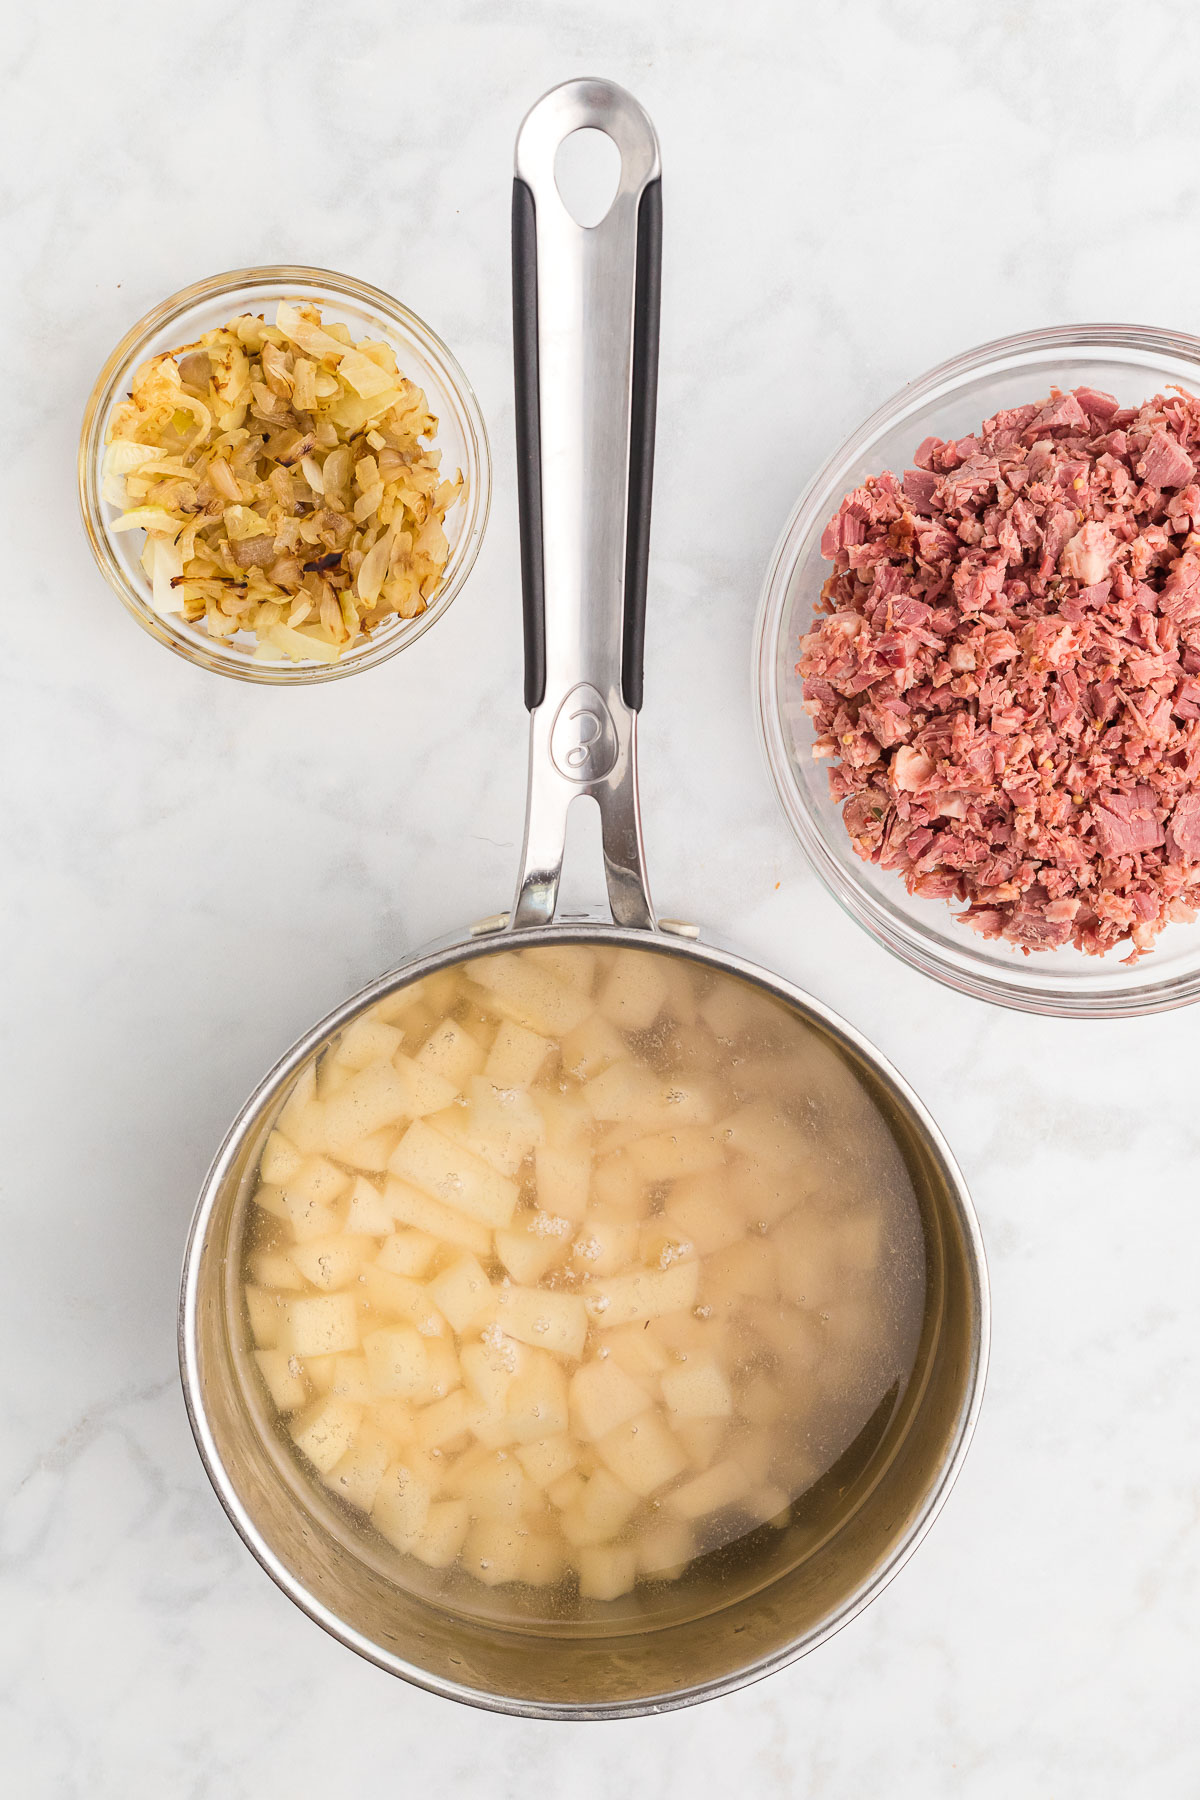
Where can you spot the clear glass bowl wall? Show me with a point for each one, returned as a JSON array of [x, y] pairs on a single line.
[[1133, 362], [423, 357]]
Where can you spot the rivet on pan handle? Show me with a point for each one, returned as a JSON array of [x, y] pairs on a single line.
[[585, 341]]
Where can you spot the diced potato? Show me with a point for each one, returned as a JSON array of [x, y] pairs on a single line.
[[616, 1183], [523, 991], [689, 1150], [517, 1056], [372, 1098], [367, 1040], [770, 1504], [592, 1047], [371, 1154], [275, 1269], [505, 1124], [602, 1509], [331, 1078], [492, 1489], [488, 1368], [282, 1378], [535, 1405], [400, 1510], [793, 1334], [452, 1053], [306, 1218], [549, 1321], [575, 964], [446, 1420], [566, 1490], [332, 1262], [454, 1175], [701, 1439], [357, 1475], [425, 1089], [753, 1449], [324, 1433], [762, 1192], [492, 1551], [366, 1214], [605, 1571], [697, 1389], [762, 1133], [603, 1395], [634, 991], [722, 1485], [302, 1118], [749, 1267], [320, 1372], [645, 1294], [567, 1120], [534, 1247], [280, 1159], [697, 1209], [660, 1243], [462, 1292], [317, 1179], [665, 1549], [728, 1009], [643, 1454], [548, 1460], [606, 1241], [409, 1206], [563, 1179], [408, 1253], [351, 1380], [443, 1371], [761, 1401], [625, 1091], [639, 1352], [321, 1324], [543, 1559], [694, 1335], [397, 1359], [403, 1298], [396, 1419], [443, 1534], [630, 1095], [680, 978]]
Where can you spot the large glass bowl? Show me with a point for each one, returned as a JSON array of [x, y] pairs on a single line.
[[423, 357], [1131, 361]]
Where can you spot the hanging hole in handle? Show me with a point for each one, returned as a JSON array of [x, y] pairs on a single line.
[[587, 173]]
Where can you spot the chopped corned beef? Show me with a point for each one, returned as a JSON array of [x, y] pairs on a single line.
[[1006, 680]]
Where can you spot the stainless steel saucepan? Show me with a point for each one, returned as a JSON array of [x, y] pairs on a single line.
[[586, 341]]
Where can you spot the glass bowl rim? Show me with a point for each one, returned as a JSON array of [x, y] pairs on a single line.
[[211, 654], [1034, 991]]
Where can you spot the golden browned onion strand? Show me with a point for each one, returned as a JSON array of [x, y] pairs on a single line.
[[283, 477]]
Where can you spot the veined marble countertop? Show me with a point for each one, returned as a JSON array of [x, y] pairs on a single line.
[[195, 869]]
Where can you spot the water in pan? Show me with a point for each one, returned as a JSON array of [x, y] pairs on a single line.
[[576, 1270]]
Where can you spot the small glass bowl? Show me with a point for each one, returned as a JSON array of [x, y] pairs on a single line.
[[1131, 361], [423, 357]]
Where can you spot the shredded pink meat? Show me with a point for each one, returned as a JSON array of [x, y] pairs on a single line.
[[1007, 677]]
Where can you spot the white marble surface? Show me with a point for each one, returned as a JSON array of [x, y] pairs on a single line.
[[193, 869]]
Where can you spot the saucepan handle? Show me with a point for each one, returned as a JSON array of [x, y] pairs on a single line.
[[585, 335]]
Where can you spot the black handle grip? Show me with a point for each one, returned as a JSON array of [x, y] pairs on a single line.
[[529, 438], [643, 409]]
